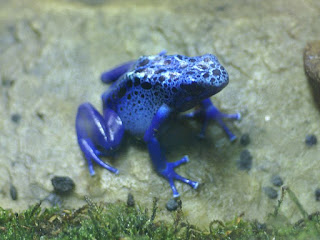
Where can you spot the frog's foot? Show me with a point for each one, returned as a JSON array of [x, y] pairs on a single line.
[[207, 112], [91, 153], [213, 113], [171, 175], [98, 135], [158, 158]]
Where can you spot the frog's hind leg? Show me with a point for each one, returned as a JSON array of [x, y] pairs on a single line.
[[115, 73], [208, 111], [98, 135], [158, 158]]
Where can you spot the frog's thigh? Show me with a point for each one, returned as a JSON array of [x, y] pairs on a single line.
[[98, 135], [105, 131]]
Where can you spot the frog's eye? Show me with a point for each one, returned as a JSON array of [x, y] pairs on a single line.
[[192, 88]]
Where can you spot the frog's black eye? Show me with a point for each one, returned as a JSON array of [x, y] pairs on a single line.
[[192, 88]]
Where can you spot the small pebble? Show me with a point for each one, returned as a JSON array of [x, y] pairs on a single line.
[[54, 200], [7, 82], [62, 185], [16, 118], [317, 193], [277, 181], [13, 192], [173, 204], [245, 162], [311, 140], [245, 139], [40, 115], [271, 193], [130, 200], [260, 226]]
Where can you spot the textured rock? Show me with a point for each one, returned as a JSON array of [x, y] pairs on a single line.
[[276, 180], [62, 185], [52, 53], [270, 192], [245, 161], [311, 140]]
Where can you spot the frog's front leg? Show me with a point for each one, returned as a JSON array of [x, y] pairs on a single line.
[[158, 158], [208, 111], [98, 135]]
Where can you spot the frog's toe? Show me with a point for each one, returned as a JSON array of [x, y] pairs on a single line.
[[235, 116], [185, 159], [171, 175], [91, 154], [218, 119]]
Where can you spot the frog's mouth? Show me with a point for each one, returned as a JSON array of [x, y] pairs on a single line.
[[202, 90], [193, 89], [212, 91], [185, 104], [194, 93]]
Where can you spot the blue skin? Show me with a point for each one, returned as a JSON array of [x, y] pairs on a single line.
[[144, 94]]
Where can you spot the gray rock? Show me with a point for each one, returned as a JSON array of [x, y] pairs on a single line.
[[270, 192]]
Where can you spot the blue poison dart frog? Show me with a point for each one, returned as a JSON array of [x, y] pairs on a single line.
[[144, 94]]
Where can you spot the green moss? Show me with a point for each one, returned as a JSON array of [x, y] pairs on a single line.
[[119, 221]]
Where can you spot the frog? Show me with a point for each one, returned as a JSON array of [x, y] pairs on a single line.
[[143, 96]]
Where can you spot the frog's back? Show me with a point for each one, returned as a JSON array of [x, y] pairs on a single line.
[[153, 81], [135, 97]]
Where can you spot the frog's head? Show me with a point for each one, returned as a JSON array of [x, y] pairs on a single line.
[[203, 77]]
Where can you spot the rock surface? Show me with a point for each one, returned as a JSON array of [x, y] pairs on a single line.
[[53, 51]]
